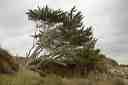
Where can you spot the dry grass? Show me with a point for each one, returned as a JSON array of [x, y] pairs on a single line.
[[26, 77], [23, 77]]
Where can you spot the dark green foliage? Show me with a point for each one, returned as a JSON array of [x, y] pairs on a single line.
[[64, 36], [46, 14]]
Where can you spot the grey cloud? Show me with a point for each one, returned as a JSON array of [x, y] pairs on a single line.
[[12, 13], [111, 21], [14, 25], [18, 45]]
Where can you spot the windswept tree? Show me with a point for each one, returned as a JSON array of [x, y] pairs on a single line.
[[62, 36]]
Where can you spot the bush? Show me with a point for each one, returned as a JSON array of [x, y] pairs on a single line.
[[8, 63]]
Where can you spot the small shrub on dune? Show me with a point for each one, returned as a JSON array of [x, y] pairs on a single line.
[[8, 63]]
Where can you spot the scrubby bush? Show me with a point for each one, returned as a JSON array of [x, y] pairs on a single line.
[[8, 63]]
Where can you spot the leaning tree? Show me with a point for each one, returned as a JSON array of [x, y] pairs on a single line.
[[61, 36]]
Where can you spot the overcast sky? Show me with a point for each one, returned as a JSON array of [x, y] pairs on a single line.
[[108, 17]]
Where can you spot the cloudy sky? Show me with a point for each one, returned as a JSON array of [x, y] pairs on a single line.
[[108, 17]]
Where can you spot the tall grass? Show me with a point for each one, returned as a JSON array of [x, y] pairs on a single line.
[[23, 77], [26, 77]]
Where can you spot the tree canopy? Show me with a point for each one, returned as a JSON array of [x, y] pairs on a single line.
[[63, 36]]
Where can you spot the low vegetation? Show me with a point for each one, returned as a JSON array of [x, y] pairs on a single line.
[[23, 77], [8, 63], [27, 77]]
